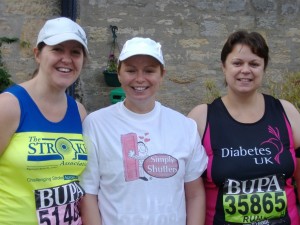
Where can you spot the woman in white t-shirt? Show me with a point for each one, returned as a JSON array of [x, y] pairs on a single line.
[[144, 159]]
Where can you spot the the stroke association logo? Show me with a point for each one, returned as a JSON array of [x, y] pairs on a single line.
[[47, 149]]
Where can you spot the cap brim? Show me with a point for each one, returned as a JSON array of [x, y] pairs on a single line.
[[136, 52], [57, 39]]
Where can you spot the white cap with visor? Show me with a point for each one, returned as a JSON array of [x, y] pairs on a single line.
[[62, 29], [142, 46]]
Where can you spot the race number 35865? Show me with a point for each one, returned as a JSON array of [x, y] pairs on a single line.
[[262, 205]]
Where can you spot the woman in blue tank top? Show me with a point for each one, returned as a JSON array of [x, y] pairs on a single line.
[[41, 145]]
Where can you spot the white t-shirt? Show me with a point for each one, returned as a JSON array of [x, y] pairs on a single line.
[[138, 164]]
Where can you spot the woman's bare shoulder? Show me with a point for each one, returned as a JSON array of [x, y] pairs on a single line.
[[82, 110], [198, 111], [199, 114], [9, 105], [294, 118]]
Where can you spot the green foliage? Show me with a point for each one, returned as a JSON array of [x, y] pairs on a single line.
[[112, 64], [5, 80], [7, 40], [211, 90], [25, 44], [289, 89]]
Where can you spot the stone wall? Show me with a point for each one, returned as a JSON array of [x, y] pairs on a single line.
[[23, 19], [191, 32]]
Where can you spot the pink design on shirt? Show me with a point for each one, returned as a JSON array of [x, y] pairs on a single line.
[[275, 141], [131, 166]]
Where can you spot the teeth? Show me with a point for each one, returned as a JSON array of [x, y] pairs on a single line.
[[66, 70], [244, 79], [139, 88]]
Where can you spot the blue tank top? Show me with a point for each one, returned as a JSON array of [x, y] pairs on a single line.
[[40, 167]]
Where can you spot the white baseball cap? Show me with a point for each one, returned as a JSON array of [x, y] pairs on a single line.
[[142, 46], [62, 29]]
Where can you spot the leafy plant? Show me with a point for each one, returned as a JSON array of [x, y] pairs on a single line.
[[5, 80], [25, 44], [112, 62], [288, 89], [211, 90]]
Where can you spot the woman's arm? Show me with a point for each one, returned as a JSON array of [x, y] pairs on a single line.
[[89, 209], [294, 118], [9, 119], [195, 202]]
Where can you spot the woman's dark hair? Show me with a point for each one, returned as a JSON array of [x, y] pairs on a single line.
[[40, 46], [253, 40]]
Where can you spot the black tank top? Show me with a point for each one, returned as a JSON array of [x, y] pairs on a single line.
[[246, 152]]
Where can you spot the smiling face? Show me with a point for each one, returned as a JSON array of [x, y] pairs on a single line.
[[243, 70], [61, 64], [140, 77]]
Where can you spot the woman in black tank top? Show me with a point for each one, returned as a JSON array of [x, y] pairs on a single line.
[[251, 140]]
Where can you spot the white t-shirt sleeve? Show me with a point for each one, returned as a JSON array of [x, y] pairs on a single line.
[[197, 163], [90, 178]]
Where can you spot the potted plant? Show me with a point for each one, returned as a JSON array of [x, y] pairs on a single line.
[[110, 72]]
